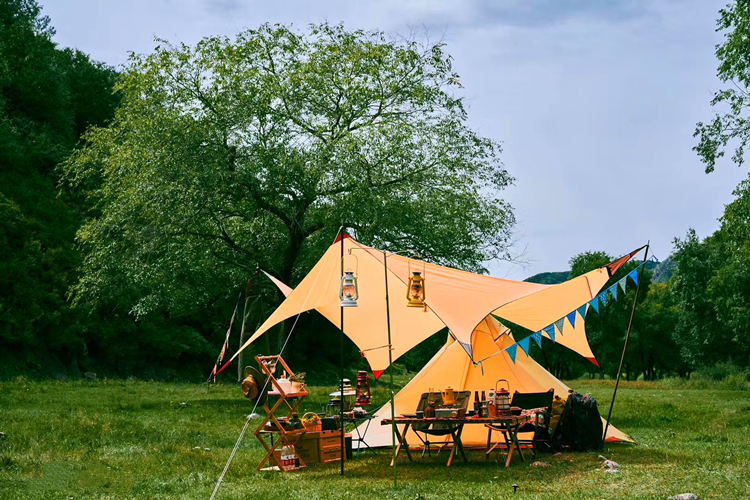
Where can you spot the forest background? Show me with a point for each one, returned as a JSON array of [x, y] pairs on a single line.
[[136, 205]]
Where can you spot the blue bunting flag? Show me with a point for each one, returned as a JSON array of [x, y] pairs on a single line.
[[572, 319], [595, 304], [537, 338], [550, 330], [634, 275], [582, 311], [623, 284], [524, 343], [559, 324], [512, 352]]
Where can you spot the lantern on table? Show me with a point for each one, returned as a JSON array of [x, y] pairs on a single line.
[[363, 389], [349, 291], [502, 398]]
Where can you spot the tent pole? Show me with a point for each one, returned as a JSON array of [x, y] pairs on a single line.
[[627, 337], [242, 329], [262, 314], [390, 371], [341, 352]]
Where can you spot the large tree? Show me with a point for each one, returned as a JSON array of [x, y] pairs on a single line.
[[254, 151]]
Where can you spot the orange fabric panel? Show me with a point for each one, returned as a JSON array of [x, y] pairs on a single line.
[[460, 299], [366, 324], [457, 299], [285, 289], [547, 306]]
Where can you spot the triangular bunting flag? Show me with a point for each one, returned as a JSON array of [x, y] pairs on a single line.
[[512, 352], [524, 343], [603, 298], [595, 304], [572, 319], [467, 348], [613, 291], [582, 311], [559, 324], [537, 338], [550, 331], [634, 275], [623, 284]]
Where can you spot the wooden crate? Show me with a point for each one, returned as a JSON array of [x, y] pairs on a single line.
[[320, 447]]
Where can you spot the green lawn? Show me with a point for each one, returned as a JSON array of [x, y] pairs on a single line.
[[125, 439]]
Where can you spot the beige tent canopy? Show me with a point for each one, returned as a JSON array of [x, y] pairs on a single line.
[[455, 299], [450, 367]]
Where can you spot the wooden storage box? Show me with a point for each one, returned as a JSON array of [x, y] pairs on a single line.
[[320, 447]]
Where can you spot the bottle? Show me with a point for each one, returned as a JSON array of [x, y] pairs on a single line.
[[292, 456], [282, 462], [484, 405], [477, 404]]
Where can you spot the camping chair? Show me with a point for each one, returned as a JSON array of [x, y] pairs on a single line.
[[440, 428], [540, 426]]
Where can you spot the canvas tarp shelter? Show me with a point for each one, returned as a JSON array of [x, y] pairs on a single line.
[[455, 299], [451, 367]]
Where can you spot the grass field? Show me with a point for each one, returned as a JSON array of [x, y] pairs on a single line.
[[129, 439]]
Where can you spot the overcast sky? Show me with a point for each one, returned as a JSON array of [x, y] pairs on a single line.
[[594, 101]]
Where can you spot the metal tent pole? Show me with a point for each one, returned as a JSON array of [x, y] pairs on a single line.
[[627, 337], [341, 351], [390, 368], [242, 329], [263, 315]]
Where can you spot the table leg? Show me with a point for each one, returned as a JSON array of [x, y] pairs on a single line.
[[401, 437], [514, 437], [509, 444], [453, 449], [461, 444], [362, 439]]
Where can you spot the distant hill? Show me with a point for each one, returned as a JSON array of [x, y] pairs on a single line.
[[552, 278], [662, 273]]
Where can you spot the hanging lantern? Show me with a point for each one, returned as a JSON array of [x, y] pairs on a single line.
[[349, 291], [415, 292], [363, 389]]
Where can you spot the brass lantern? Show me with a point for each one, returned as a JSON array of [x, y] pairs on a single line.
[[415, 291], [349, 291]]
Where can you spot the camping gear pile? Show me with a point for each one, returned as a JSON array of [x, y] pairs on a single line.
[[580, 427]]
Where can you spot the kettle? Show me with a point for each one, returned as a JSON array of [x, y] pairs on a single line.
[[449, 397]]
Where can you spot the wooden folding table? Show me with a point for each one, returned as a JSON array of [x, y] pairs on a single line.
[[509, 423]]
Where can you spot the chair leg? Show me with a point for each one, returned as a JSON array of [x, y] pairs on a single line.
[[489, 441]]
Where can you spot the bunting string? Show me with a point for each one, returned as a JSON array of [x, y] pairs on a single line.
[[556, 327]]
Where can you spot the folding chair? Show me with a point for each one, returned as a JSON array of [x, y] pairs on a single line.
[[540, 425], [439, 428]]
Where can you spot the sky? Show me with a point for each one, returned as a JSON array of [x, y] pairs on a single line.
[[594, 101]]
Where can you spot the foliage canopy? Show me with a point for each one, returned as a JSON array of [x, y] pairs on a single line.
[[254, 151]]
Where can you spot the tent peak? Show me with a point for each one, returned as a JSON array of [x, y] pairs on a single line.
[[342, 234]]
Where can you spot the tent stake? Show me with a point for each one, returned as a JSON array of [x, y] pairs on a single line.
[[627, 337]]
